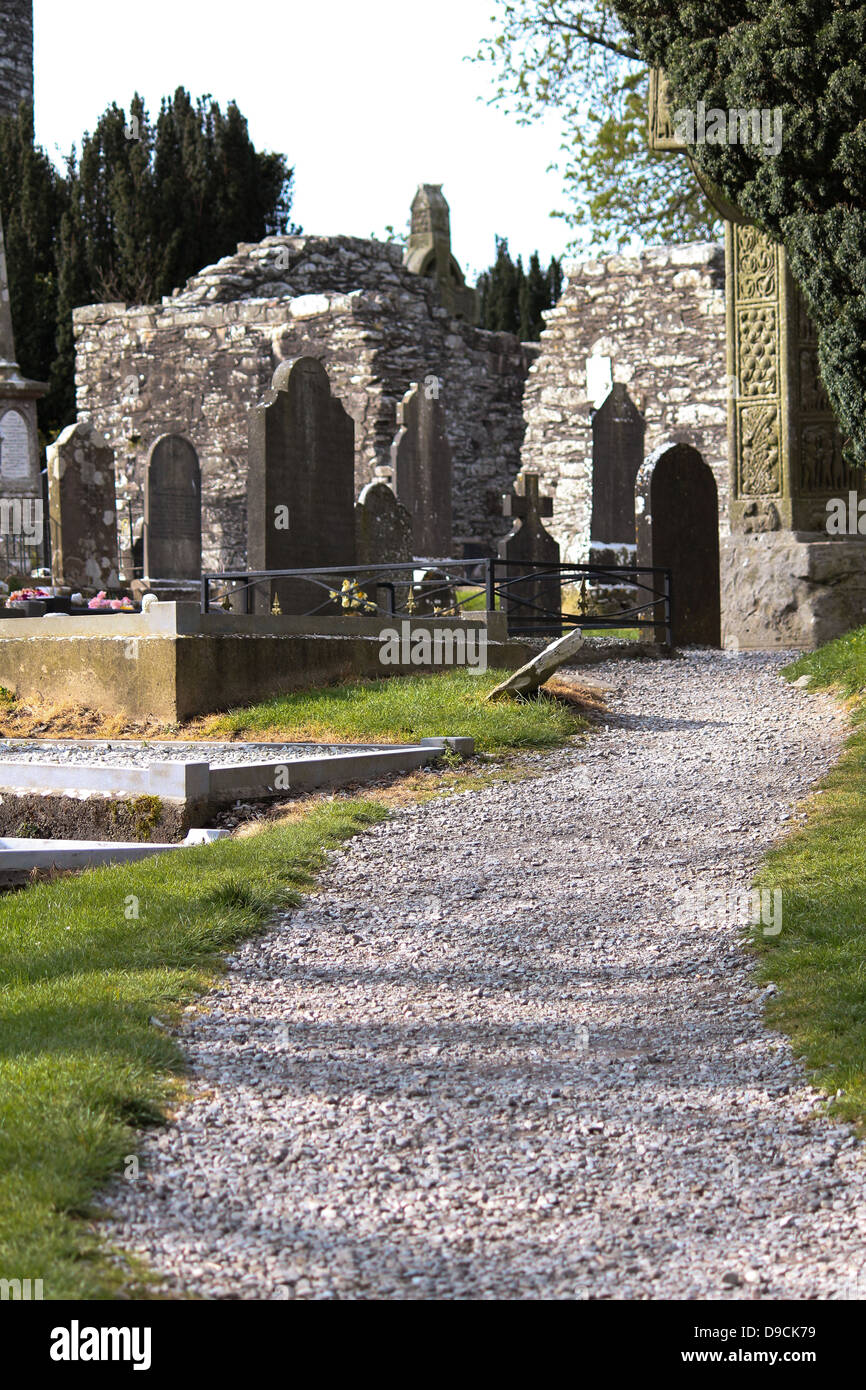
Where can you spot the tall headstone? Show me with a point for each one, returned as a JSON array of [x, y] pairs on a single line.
[[172, 512], [20, 474], [677, 524], [301, 485], [428, 252], [617, 454], [534, 602], [421, 459], [82, 509]]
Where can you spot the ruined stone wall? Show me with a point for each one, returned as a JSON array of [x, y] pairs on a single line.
[[197, 362], [660, 316], [16, 55]]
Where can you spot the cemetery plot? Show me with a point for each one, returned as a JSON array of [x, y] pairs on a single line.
[[168, 785]]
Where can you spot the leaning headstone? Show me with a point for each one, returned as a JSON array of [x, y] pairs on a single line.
[[82, 509], [383, 536], [617, 454], [533, 675], [172, 518], [301, 486], [535, 602], [677, 521], [421, 458]]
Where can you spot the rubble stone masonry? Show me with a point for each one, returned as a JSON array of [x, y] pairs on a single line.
[[660, 317], [197, 362]]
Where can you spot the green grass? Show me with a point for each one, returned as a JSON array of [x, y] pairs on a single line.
[[81, 1065], [472, 598], [841, 665], [818, 960], [403, 709]]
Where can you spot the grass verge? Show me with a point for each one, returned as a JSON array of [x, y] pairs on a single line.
[[393, 710], [818, 960], [81, 1064], [402, 709], [87, 962]]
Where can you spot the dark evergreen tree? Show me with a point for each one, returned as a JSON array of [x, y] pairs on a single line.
[[806, 59], [32, 202], [511, 299], [142, 208]]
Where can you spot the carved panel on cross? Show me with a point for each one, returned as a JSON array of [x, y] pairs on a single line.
[[760, 451], [757, 350], [757, 264], [758, 327]]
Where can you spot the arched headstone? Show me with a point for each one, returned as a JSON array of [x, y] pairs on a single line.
[[677, 524], [617, 454], [383, 536], [301, 484], [172, 510]]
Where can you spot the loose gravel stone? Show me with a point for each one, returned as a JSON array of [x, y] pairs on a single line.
[[128, 753], [492, 1058]]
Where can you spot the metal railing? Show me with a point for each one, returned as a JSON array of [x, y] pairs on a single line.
[[530, 594]]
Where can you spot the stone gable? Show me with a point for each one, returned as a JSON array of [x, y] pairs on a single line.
[[660, 318]]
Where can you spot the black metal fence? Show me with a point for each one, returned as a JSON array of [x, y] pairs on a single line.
[[536, 598]]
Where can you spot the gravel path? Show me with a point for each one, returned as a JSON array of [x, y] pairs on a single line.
[[495, 1055]]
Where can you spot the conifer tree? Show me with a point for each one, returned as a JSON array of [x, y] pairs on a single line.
[[142, 208], [512, 300]]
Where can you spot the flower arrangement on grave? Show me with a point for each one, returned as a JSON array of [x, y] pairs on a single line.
[[28, 595], [352, 598], [116, 605]]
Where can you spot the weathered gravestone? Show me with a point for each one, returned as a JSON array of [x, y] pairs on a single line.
[[21, 497], [421, 458], [677, 522], [172, 512], [617, 454], [82, 509], [383, 536], [301, 486], [534, 602]]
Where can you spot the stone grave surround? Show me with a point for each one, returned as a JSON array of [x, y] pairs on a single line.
[[301, 506], [195, 364], [82, 509], [172, 514]]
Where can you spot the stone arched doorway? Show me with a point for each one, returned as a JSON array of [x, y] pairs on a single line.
[[677, 525]]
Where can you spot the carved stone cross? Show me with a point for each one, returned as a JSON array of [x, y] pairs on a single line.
[[529, 505]]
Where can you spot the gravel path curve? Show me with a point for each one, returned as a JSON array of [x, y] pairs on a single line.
[[495, 1056]]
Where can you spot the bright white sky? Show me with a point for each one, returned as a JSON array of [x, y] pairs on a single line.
[[366, 98]]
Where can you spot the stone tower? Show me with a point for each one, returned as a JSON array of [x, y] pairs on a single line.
[[16, 55]]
